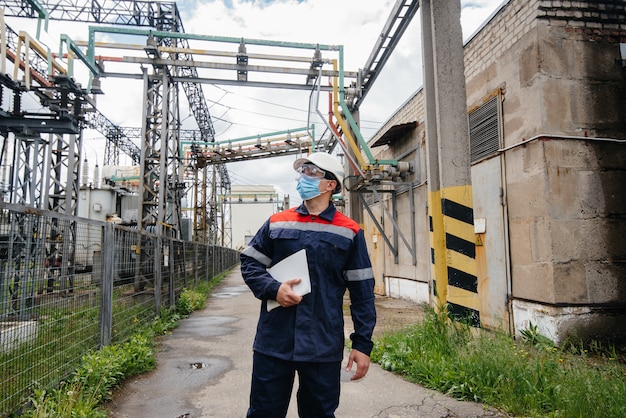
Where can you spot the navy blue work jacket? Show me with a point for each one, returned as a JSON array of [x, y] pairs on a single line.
[[313, 330]]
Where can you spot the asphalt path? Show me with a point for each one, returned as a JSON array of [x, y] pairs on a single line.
[[204, 366]]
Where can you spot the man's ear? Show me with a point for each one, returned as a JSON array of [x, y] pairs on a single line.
[[333, 184]]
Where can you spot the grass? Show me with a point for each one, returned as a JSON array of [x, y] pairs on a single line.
[[100, 371], [529, 378], [63, 336]]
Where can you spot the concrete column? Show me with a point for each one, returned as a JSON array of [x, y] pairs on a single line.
[[450, 191], [449, 77], [437, 236]]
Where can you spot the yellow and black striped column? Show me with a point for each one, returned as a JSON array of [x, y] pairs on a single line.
[[453, 253], [460, 253]]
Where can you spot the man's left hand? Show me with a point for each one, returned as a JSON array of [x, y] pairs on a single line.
[[362, 364]]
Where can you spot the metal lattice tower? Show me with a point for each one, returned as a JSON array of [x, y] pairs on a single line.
[[163, 16]]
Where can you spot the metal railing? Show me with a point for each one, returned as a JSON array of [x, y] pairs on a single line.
[[71, 285]]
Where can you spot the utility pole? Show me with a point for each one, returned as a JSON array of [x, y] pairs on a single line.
[[455, 283]]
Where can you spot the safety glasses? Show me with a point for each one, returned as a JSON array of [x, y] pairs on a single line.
[[311, 170]]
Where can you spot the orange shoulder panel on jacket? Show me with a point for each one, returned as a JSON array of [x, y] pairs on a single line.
[[290, 215], [342, 220], [285, 216]]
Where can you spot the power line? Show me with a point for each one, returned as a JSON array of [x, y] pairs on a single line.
[[270, 103]]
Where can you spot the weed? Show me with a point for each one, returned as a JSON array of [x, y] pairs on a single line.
[[532, 336], [524, 378], [189, 301]]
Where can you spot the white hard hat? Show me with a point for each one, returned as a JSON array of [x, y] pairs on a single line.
[[326, 162]]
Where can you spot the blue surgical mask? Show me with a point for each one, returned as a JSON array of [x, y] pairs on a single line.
[[308, 187]]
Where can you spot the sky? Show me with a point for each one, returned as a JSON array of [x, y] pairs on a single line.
[[245, 111]]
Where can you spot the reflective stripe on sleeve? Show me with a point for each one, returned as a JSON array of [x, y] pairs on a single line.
[[359, 274], [250, 251]]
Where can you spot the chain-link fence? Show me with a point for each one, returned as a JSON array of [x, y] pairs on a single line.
[[69, 285]]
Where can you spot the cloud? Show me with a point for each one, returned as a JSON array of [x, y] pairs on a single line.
[[475, 13], [239, 112]]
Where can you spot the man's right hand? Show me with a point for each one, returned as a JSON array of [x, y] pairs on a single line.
[[286, 297]]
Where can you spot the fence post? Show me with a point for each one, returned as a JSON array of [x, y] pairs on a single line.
[[107, 263], [196, 264], [174, 272], [206, 258], [158, 279], [215, 258]]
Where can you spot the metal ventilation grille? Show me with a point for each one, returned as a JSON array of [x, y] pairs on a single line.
[[484, 125]]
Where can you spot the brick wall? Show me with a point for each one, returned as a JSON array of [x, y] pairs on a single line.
[[508, 26], [592, 20]]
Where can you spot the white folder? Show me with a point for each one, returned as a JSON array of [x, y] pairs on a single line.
[[293, 267]]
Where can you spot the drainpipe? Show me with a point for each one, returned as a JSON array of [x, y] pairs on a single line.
[[507, 245]]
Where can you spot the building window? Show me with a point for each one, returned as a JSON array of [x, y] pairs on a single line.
[[484, 126]]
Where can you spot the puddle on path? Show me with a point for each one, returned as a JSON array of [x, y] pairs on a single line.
[[230, 291], [205, 326]]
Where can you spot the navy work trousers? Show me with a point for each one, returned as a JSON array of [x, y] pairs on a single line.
[[272, 383]]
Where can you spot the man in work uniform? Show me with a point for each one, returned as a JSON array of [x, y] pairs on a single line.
[[306, 333]]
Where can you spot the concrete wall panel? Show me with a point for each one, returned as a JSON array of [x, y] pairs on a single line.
[[540, 243], [525, 199], [401, 288], [606, 282], [570, 283], [533, 282]]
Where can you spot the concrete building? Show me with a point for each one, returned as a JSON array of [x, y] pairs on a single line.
[[250, 206], [546, 89]]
